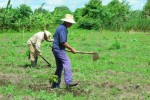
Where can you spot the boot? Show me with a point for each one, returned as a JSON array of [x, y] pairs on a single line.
[[33, 64], [72, 84], [36, 58]]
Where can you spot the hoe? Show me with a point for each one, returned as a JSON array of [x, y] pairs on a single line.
[[95, 55], [45, 61]]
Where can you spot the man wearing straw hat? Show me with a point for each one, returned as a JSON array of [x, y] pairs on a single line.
[[58, 48]]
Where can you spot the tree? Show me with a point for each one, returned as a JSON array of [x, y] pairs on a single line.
[[8, 4], [119, 12], [41, 21], [41, 18], [146, 10], [5, 13], [79, 13], [23, 14], [93, 8], [24, 11], [41, 9], [59, 13], [90, 16]]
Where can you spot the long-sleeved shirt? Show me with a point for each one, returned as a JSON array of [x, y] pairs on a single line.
[[37, 39]]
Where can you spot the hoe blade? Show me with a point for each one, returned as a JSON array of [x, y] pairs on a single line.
[[95, 56]]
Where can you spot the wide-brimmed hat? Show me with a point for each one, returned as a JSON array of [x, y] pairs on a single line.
[[48, 34], [68, 18]]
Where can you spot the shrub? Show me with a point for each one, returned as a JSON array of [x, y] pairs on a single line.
[[115, 45], [89, 23]]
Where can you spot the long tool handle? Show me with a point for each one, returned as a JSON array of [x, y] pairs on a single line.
[[81, 52], [45, 60]]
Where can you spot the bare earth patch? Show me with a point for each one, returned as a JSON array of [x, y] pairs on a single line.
[[9, 79], [124, 90]]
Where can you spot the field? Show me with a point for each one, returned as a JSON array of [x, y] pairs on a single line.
[[121, 73]]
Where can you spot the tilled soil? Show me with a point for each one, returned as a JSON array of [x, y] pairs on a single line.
[[126, 90]]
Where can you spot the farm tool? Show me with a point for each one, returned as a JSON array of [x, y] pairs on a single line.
[[95, 55], [45, 61]]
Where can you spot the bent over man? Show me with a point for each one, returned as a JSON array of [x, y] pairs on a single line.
[[34, 44]]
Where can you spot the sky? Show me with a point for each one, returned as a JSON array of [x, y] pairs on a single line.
[[71, 4]]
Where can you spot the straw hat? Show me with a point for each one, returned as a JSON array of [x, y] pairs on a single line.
[[68, 18], [48, 34]]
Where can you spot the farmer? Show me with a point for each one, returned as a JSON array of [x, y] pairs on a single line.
[[34, 44], [58, 48]]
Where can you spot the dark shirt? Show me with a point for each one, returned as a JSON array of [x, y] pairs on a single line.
[[60, 37]]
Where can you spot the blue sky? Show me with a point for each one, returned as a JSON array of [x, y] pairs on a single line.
[[71, 4]]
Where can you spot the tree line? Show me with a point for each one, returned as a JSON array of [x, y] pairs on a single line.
[[116, 16]]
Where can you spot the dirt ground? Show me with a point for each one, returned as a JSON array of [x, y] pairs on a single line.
[[128, 90]]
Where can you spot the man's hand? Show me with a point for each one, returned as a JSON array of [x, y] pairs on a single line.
[[73, 51], [51, 40], [69, 47], [39, 53]]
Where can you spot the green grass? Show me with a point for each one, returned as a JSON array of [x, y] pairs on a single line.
[[122, 72]]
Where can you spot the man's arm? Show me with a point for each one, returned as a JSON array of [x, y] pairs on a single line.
[[69, 47], [51, 40], [48, 39]]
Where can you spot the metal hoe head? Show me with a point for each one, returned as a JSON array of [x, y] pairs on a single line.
[[95, 56]]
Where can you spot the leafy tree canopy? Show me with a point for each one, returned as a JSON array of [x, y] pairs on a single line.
[[146, 9], [24, 11]]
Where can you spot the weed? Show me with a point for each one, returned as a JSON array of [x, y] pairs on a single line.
[[115, 45], [114, 75], [149, 62], [27, 52], [114, 91], [14, 42], [53, 78]]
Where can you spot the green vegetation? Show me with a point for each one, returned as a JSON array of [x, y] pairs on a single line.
[[116, 16], [114, 31], [122, 72]]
